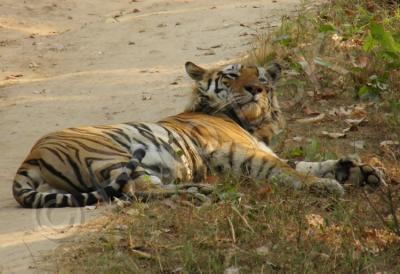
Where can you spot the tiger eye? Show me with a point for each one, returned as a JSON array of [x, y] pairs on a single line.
[[226, 83]]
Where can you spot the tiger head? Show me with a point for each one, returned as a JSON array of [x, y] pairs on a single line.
[[244, 93]]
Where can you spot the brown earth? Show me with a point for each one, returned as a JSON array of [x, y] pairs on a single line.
[[67, 63]]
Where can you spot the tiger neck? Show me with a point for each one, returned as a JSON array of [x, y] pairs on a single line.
[[202, 105], [205, 108]]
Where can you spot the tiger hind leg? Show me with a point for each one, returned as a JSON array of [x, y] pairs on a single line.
[[144, 185], [149, 187]]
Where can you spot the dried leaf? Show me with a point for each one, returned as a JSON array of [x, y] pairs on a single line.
[[387, 143], [351, 128], [359, 111], [312, 119], [315, 220], [216, 46], [209, 49], [287, 104], [141, 254], [327, 94], [362, 61], [339, 112], [355, 122], [309, 111], [353, 110], [333, 135], [264, 191], [13, 76], [209, 53]]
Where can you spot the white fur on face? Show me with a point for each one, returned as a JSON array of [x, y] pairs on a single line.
[[262, 75], [232, 71]]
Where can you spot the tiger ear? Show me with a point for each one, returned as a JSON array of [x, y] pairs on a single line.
[[194, 71], [274, 72]]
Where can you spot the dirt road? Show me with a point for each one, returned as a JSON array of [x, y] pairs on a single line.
[[65, 63]]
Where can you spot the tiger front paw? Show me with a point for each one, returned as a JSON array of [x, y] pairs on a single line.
[[354, 173]]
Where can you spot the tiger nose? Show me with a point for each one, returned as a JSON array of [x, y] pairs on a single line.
[[253, 89]]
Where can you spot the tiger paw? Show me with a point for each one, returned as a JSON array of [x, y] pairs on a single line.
[[354, 173]]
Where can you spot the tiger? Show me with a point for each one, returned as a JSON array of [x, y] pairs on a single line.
[[232, 116], [259, 113]]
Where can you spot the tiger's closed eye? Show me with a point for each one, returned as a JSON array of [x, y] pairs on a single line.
[[226, 81]]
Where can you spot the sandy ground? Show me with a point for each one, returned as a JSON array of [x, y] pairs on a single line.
[[69, 62]]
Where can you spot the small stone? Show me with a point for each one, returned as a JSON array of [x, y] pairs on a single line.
[[146, 97], [43, 91], [360, 144], [193, 189], [263, 250], [232, 270], [297, 138], [33, 65]]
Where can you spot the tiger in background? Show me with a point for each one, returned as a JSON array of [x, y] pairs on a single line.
[[226, 128]]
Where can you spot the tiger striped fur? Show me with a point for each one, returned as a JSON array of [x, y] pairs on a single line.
[[225, 129]]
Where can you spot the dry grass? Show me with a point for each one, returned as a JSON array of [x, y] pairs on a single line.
[[257, 227], [267, 229]]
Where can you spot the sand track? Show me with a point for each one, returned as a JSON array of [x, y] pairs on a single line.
[[65, 63]]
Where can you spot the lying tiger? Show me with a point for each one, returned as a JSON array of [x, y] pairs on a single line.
[[232, 117]]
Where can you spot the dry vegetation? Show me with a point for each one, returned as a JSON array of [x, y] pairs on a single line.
[[342, 62]]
